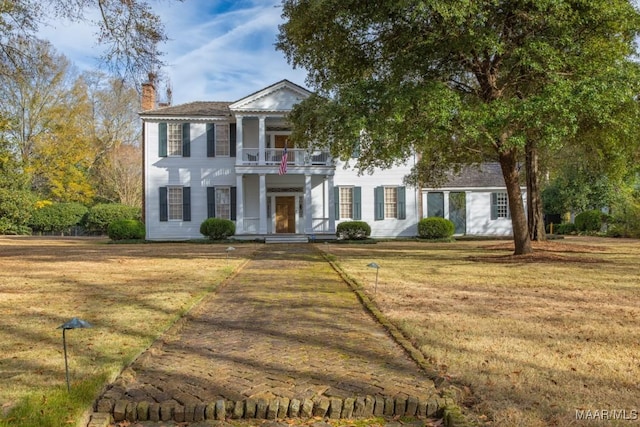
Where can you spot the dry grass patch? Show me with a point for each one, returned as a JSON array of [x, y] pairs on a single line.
[[130, 293], [535, 338]]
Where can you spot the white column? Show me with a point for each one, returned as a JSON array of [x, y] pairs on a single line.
[[263, 204], [262, 130], [239, 143], [332, 202], [446, 205], [239, 204], [308, 214]]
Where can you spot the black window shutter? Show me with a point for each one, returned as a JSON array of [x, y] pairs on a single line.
[[402, 203], [211, 202], [232, 140], [162, 139], [378, 201], [186, 203], [186, 140], [357, 198], [164, 207], [211, 140], [336, 201], [234, 198]]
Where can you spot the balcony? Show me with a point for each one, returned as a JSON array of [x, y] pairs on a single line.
[[295, 157]]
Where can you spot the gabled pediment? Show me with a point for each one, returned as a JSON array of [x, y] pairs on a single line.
[[279, 97]]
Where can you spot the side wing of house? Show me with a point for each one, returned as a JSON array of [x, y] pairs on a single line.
[[475, 201]]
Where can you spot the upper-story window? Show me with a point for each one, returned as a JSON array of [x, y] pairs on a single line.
[[174, 139], [222, 140]]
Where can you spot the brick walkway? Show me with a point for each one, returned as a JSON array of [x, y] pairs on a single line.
[[286, 326]]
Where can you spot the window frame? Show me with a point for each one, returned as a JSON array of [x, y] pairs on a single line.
[[222, 146], [500, 205], [175, 139], [222, 207], [347, 204], [175, 200]]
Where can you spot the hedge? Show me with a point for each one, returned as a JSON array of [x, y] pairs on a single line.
[[435, 228], [217, 228], [101, 215], [57, 217], [353, 230], [126, 229]]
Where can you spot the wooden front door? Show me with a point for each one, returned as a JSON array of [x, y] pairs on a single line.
[[281, 141], [286, 214]]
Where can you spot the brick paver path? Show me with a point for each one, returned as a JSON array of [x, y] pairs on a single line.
[[285, 326]]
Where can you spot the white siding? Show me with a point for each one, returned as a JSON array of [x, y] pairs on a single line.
[[388, 227]]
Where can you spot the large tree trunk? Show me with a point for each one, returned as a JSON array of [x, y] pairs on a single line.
[[509, 165], [535, 216]]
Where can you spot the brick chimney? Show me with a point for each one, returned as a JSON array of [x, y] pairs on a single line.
[[148, 97]]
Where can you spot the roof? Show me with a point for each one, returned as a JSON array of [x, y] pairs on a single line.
[[192, 109], [476, 176]]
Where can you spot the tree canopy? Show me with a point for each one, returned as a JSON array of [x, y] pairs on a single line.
[[129, 30], [459, 81]]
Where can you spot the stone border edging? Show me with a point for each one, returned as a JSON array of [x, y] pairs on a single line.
[[272, 409]]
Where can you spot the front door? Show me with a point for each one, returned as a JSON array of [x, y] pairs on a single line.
[[286, 214]]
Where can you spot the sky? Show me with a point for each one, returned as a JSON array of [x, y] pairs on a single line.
[[218, 50]]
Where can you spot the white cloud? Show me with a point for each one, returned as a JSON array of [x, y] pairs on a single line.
[[218, 50]]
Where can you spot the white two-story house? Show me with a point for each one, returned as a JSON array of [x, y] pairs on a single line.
[[225, 160]]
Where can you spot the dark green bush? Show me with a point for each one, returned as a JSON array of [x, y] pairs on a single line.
[[564, 228], [16, 207], [101, 215], [353, 230], [57, 217], [217, 228], [589, 221], [435, 228], [126, 229]]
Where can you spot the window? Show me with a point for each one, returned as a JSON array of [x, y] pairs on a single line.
[[390, 202], [500, 205], [222, 140], [174, 139], [346, 202], [174, 203], [223, 202]]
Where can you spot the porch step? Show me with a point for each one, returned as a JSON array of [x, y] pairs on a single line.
[[287, 238]]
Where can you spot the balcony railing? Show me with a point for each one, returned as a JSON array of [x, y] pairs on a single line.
[[295, 157]]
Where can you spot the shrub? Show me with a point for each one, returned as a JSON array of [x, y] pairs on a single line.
[[589, 221], [16, 207], [217, 228], [435, 228], [564, 228], [101, 215], [125, 229], [57, 217], [353, 230]]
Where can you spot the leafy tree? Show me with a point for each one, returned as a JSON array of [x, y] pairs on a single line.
[[128, 30], [33, 94], [117, 168], [457, 82]]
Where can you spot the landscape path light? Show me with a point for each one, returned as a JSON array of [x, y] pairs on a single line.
[[229, 249], [74, 323], [377, 267]]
